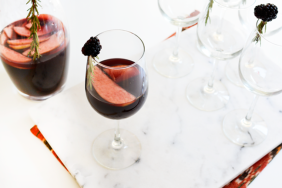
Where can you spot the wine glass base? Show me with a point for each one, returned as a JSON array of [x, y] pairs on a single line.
[[231, 72], [116, 159], [252, 136], [207, 101], [169, 66]]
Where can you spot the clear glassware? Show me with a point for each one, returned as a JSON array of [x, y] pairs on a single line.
[[117, 88], [220, 37], [232, 73], [174, 61], [44, 77], [248, 20], [260, 69]]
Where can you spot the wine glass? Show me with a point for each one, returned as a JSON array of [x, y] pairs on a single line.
[[116, 87], [248, 20], [175, 61], [220, 37], [43, 77], [231, 68], [260, 69]]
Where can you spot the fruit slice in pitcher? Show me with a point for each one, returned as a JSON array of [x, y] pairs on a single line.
[[13, 56], [28, 26], [19, 47], [3, 38], [26, 41], [49, 45], [23, 31], [109, 90], [9, 31]]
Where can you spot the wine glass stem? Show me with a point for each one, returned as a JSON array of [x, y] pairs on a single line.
[[175, 51], [251, 109], [209, 88], [117, 142], [246, 122]]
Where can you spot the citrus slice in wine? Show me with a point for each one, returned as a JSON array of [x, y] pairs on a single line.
[[109, 90]]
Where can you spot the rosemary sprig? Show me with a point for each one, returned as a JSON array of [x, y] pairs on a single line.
[[208, 11], [260, 31], [90, 72], [32, 16]]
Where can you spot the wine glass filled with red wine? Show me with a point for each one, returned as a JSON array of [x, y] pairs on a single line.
[[116, 87]]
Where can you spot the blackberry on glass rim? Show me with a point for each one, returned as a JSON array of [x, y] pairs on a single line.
[[92, 47], [266, 13]]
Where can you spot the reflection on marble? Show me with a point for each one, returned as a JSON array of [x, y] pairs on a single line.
[[181, 146]]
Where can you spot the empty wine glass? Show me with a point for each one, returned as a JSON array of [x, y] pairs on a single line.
[[260, 69], [220, 37], [175, 61], [248, 20]]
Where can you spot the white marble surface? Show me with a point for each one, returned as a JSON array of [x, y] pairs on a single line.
[[182, 146]]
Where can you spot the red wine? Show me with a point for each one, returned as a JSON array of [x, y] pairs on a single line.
[[117, 93], [45, 75]]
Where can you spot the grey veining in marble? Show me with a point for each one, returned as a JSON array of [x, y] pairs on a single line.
[[181, 146]]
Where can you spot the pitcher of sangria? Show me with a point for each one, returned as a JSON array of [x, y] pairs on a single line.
[[41, 77]]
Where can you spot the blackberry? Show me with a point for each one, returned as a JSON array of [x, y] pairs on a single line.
[[92, 47], [259, 13], [266, 12]]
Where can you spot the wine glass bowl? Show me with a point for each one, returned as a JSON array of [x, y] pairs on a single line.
[[260, 69], [223, 44], [221, 36], [178, 12], [174, 61], [242, 4], [116, 87]]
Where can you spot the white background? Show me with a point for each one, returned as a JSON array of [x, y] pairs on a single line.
[[24, 160]]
